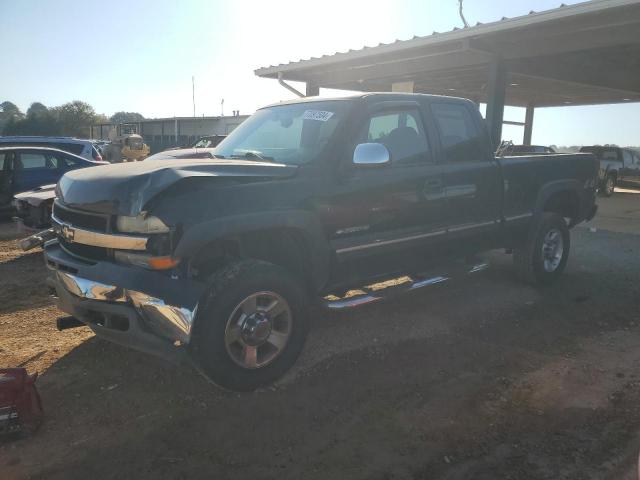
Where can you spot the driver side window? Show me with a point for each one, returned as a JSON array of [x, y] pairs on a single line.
[[402, 133]]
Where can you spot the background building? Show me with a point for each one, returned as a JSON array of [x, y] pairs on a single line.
[[162, 133]]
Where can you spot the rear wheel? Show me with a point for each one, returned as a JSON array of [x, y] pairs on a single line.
[[543, 257], [608, 186], [252, 326]]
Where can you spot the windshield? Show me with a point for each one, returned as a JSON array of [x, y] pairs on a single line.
[[290, 134]]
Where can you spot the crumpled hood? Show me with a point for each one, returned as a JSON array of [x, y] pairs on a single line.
[[38, 195], [125, 188]]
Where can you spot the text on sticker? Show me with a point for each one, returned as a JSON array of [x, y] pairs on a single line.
[[317, 115]]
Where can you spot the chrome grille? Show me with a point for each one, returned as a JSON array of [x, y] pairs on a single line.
[[78, 218]]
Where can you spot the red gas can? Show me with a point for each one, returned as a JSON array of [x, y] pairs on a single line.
[[20, 404]]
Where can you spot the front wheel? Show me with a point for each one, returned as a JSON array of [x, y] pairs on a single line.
[[252, 326], [543, 257]]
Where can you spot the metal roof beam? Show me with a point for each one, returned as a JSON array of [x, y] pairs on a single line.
[[624, 33], [622, 81], [399, 69]]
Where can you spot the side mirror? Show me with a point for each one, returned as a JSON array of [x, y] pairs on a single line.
[[372, 154]]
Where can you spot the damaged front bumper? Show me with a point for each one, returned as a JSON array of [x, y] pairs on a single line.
[[145, 310]]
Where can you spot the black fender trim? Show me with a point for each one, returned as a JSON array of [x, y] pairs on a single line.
[[196, 237], [558, 186]]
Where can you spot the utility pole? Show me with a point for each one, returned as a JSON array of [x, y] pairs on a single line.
[[464, 20], [222, 108], [193, 94]]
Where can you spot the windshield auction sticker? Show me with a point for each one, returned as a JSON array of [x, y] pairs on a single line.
[[318, 115]]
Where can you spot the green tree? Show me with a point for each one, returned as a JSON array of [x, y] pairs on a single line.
[[126, 117], [100, 118], [39, 121], [37, 108], [74, 118], [9, 113]]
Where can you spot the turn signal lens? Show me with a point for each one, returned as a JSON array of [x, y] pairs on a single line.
[[163, 263], [146, 261]]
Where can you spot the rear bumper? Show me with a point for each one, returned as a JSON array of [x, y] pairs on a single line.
[[141, 309]]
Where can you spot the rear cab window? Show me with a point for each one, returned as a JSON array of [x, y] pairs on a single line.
[[461, 138]]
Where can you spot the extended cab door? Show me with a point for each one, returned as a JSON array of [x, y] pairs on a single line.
[[377, 209], [472, 178]]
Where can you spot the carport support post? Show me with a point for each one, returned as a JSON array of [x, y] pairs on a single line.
[[495, 99], [528, 125], [312, 90]]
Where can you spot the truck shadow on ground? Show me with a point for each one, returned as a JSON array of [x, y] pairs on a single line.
[[22, 283], [439, 405]]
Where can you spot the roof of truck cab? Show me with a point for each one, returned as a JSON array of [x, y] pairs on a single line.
[[362, 96]]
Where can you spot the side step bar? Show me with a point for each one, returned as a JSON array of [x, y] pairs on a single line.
[[416, 282]]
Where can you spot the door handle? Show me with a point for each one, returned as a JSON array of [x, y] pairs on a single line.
[[432, 185], [433, 189]]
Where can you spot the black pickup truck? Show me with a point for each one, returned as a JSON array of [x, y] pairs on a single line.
[[217, 260], [618, 167]]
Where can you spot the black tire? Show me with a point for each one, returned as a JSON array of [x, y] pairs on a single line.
[[608, 186], [529, 259], [227, 289]]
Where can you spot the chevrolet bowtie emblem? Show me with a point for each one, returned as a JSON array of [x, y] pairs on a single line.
[[67, 233]]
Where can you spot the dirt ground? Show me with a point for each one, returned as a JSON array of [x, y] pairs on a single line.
[[484, 378]]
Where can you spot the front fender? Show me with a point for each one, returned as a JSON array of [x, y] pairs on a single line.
[[198, 236]]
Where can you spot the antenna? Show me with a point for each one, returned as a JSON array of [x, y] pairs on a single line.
[[193, 94], [464, 20]]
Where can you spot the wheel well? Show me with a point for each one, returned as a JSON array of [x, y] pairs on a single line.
[[286, 247], [565, 203], [613, 173]]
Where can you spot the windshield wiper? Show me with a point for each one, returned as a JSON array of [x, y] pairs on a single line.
[[251, 154]]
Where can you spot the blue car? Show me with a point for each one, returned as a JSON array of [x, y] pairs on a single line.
[[27, 168]]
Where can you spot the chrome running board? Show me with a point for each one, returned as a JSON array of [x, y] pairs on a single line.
[[415, 282]]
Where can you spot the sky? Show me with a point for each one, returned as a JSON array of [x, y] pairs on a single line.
[[140, 55]]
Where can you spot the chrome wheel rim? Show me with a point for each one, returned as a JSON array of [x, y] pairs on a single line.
[[609, 185], [258, 330], [552, 250]]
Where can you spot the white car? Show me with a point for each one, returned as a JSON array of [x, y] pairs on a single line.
[[77, 146]]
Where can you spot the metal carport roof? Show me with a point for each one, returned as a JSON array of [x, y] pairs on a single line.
[[581, 54]]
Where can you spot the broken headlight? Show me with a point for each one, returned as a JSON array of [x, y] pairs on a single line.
[[141, 224]]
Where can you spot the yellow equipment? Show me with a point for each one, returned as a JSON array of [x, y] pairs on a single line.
[[134, 148]]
